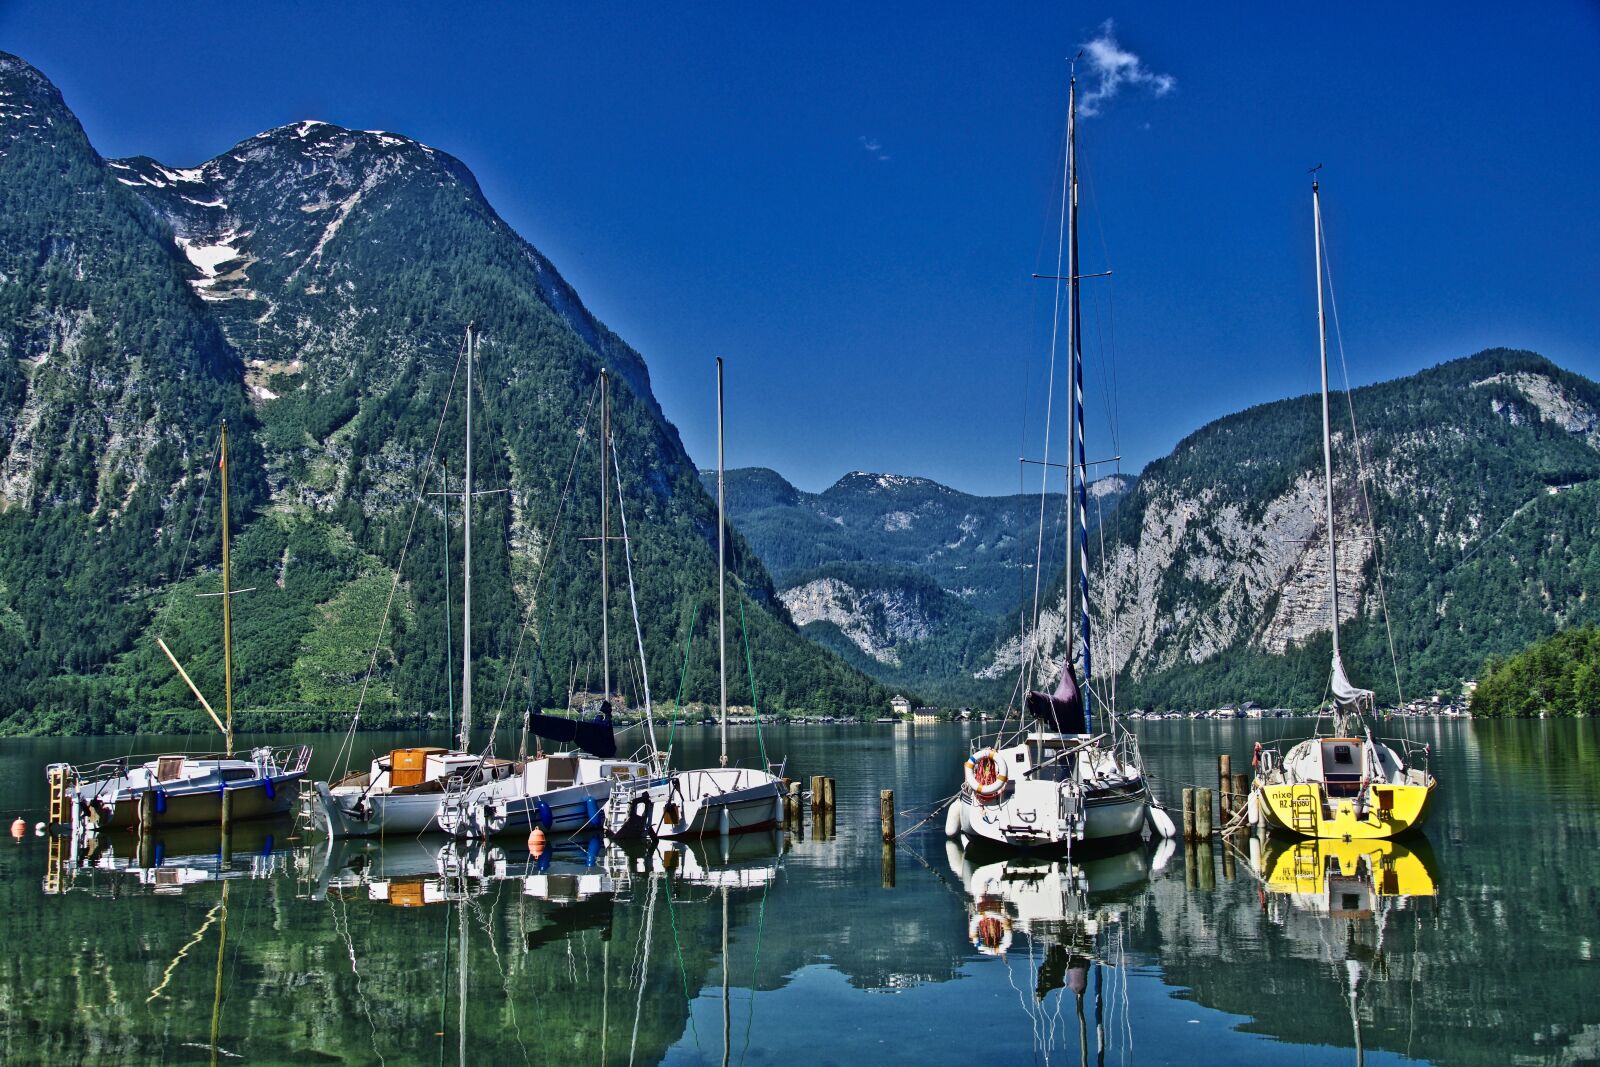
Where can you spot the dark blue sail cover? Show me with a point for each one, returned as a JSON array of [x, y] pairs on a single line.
[[595, 738], [1061, 711]]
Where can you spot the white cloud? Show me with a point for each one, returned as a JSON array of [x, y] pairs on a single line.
[[874, 147], [1112, 67]]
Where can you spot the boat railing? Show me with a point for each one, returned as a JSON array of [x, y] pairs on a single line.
[[1413, 754]]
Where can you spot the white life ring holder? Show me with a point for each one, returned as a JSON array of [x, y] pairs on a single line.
[[988, 791]]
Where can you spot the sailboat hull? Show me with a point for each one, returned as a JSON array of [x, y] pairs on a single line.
[[1035, 815], [252, 801], [571, 810], [701, 803], [1304, 810], [348, 814]]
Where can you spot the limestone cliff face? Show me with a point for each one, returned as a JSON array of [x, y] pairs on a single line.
[[875, 620], [1221, 548]]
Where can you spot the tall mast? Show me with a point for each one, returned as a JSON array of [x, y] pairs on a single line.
[[605, 535], [227, 606], [466, 570], [1070, 198], [1327, 435], [722, 578], [1080, 467]]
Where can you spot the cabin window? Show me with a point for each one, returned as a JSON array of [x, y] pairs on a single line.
[[1021, 758], [1341, 754], [237, 774]]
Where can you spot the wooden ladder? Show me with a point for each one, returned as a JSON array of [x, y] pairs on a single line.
[[60, 806]]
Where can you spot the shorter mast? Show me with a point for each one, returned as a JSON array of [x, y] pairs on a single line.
[[722, 579], [465, 740], [605, 537], [1327, 472], [227, 612]]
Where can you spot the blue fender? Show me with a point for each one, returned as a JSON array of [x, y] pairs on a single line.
[[541, 812], [159, 853], [161, 801], [591, 812], [543, 863], [591, 851], [266, 848], [272, 790]]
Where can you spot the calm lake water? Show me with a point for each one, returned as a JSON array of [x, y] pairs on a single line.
[[1475, 945]]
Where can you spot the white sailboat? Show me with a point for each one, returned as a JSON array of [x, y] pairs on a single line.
[[710, 800], [402, 790], [563, 791], [1057, 783], [1345, 784], [184, 789]]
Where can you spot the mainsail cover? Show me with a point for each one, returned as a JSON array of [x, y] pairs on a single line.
[[1061, 711], [1346, 697], [595, 738]]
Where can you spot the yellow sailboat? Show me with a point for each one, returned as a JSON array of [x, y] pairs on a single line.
[[1345, 785]]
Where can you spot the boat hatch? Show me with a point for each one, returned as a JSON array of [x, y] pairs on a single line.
[[169, 768], [562, 771], [1341, 767]]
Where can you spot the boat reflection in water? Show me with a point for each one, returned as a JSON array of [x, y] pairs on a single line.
[[1340, 897], [1063, 920], [166, 861]]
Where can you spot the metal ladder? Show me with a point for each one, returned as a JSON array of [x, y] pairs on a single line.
[[1303, 811], [453, 808], [1071, 813]]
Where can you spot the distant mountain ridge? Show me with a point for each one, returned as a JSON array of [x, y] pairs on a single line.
[[908, 579], [312, 285]]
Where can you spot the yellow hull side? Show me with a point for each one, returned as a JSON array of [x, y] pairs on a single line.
[[1299, 809]]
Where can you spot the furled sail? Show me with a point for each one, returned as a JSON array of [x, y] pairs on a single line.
[[1061, 711], [596, 738], [1346, 697]]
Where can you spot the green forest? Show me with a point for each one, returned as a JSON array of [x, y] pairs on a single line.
[[1557, 676]]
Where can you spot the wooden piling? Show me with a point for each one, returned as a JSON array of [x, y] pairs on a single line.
[[1188, 814], [817, 799], [1202, 814], [827, 792], [792, 802], [1241, 792], [1205, 865], [1224, 788], [1227, 862], [886, 814], [1191, 871]]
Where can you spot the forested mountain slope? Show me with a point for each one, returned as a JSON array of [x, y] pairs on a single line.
[[1484, 484], [314, 285]]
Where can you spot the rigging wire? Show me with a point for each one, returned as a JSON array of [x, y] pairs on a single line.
[[348, 744], [1362, 477], [544, 560]]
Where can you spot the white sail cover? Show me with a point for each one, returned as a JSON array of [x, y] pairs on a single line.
[[1346, 697]]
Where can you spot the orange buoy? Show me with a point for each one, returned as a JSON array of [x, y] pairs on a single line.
[[19, 828], [536, 841]]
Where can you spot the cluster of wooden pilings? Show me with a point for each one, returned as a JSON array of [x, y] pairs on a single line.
[[1232, 796], [822, 817], [822, 808]]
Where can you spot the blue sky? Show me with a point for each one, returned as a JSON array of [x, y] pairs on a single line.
[[846, 201]]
